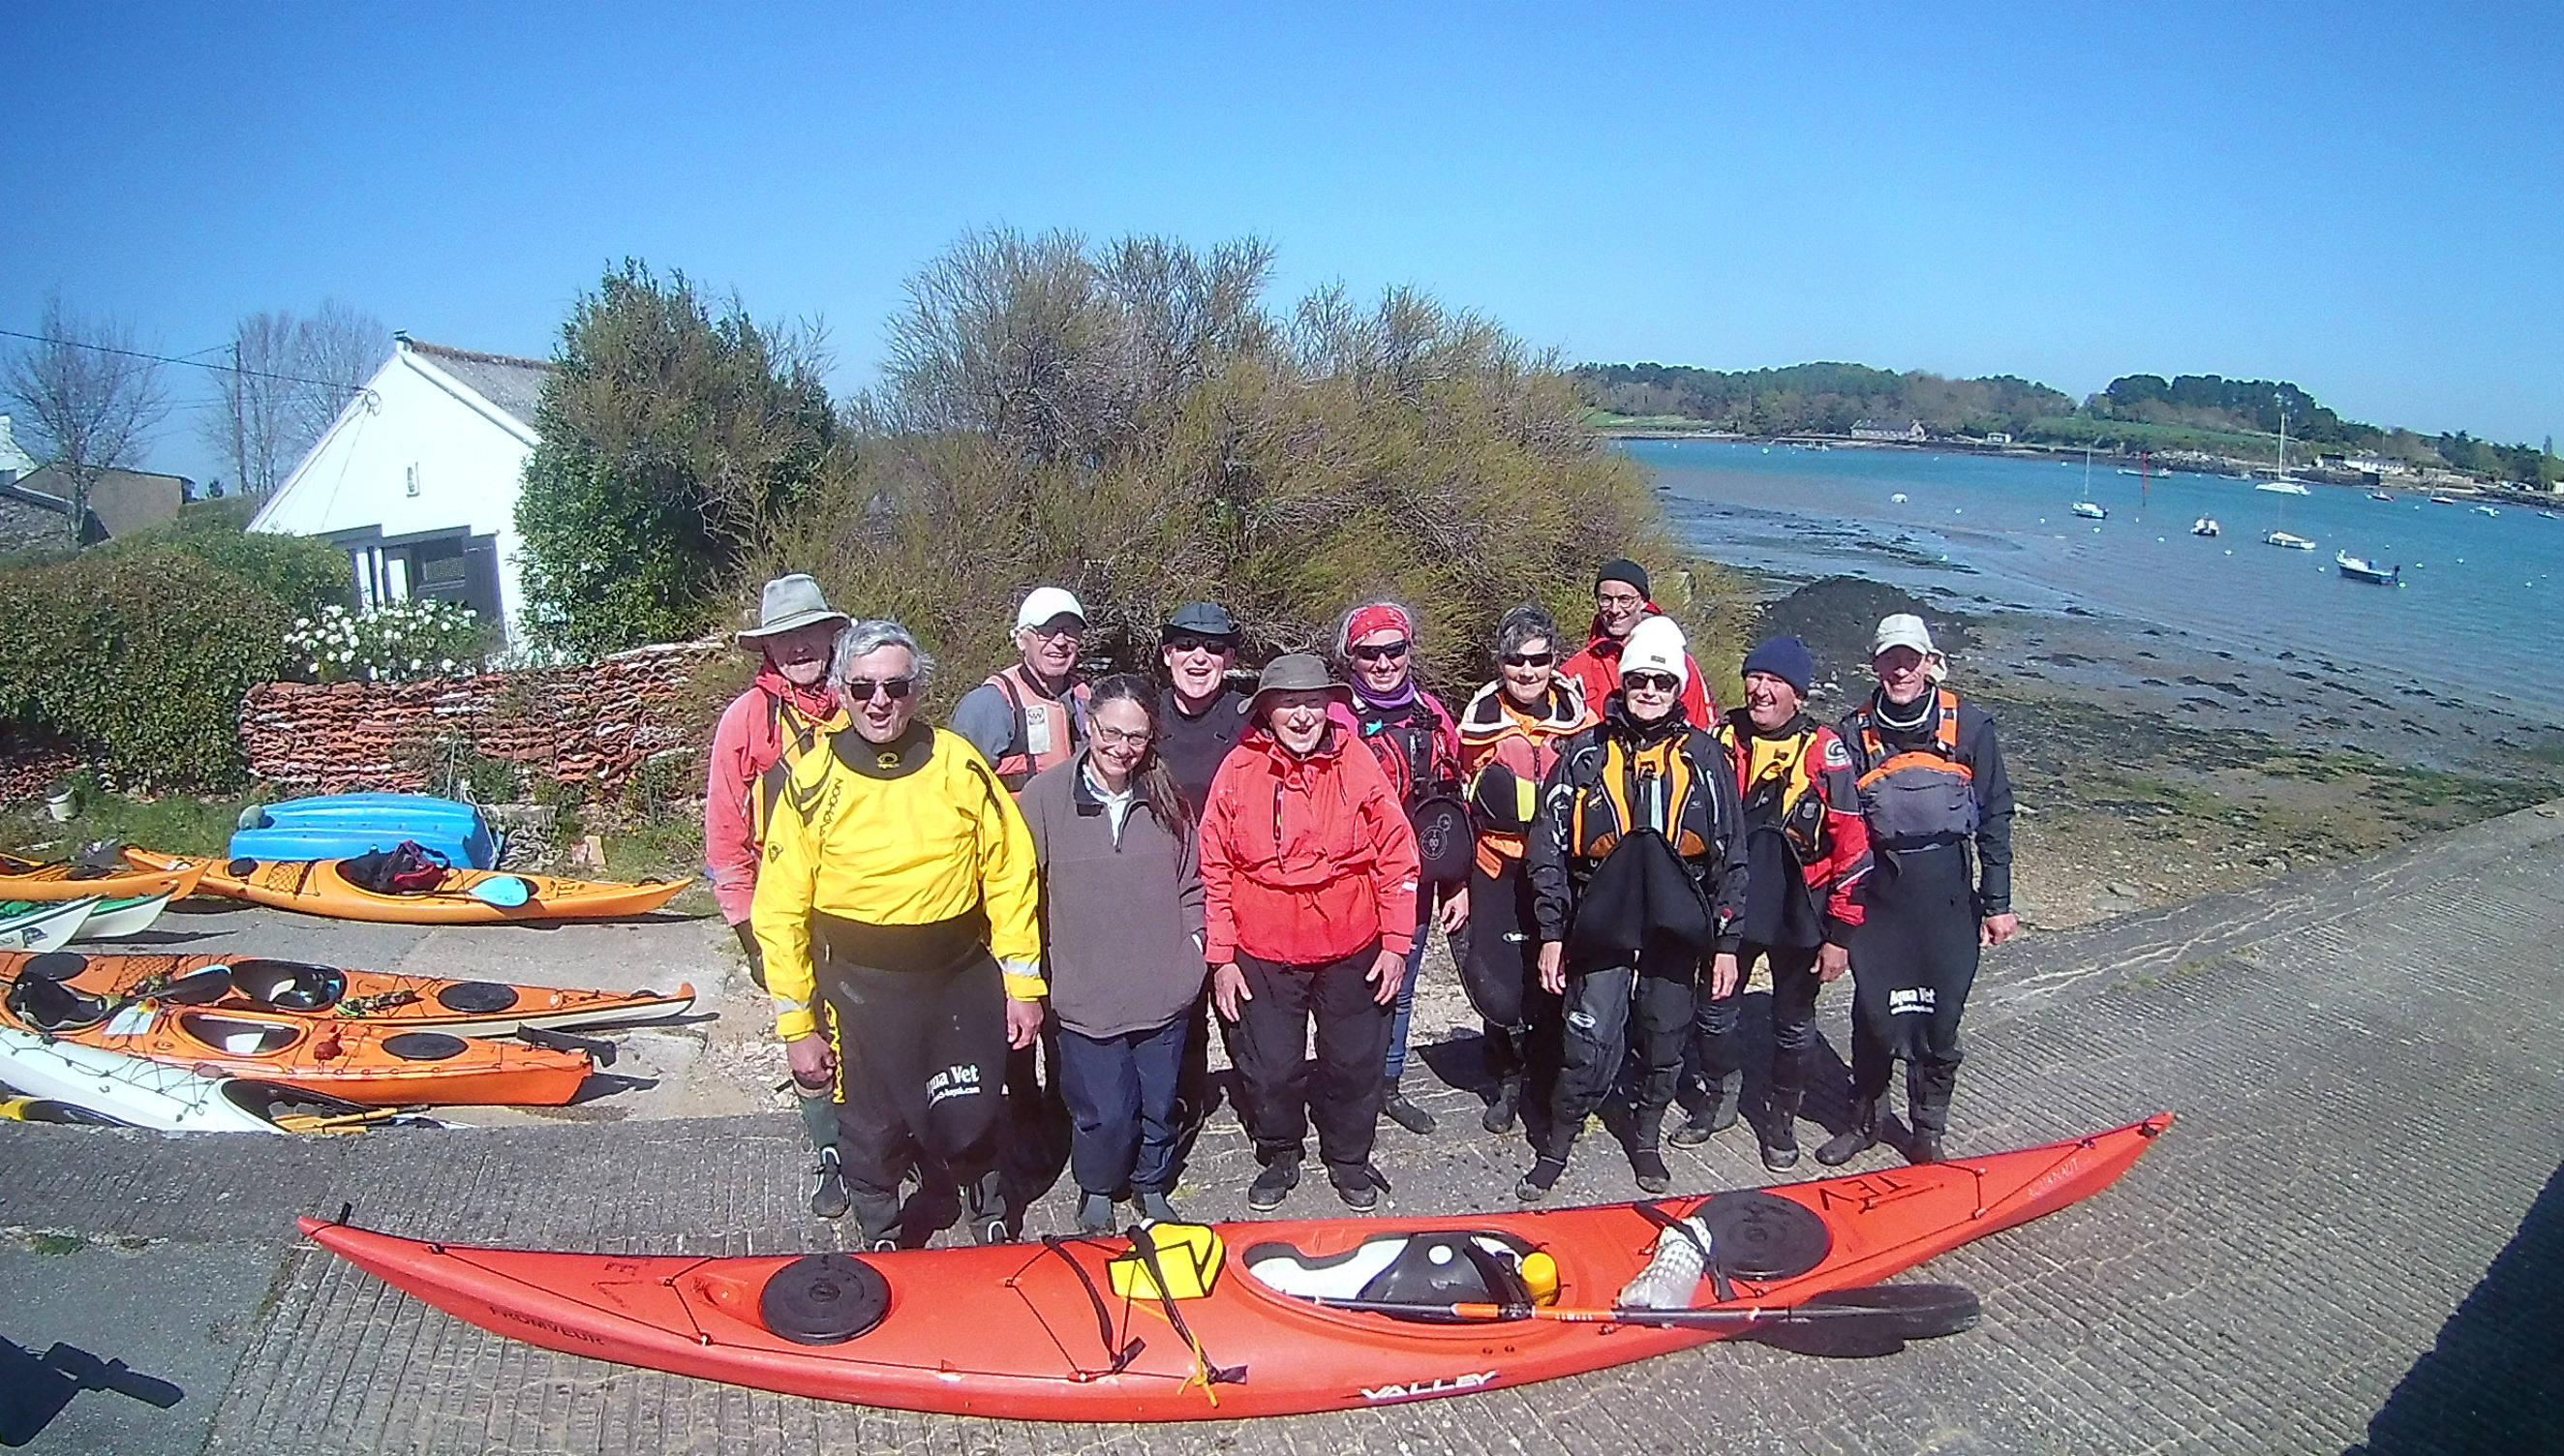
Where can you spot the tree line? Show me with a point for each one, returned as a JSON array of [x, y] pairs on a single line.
[[1829, 398]]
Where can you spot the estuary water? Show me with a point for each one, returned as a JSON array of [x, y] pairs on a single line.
[[2479, 617]]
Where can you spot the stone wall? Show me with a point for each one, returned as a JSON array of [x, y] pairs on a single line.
[[591, 726]]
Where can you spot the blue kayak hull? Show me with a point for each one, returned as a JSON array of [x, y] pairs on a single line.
[[342, 826]]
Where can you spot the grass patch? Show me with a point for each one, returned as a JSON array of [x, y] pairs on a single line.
[[177, 823], [56, 1244]]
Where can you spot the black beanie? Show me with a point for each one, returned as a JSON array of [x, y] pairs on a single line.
[[1622, 568]]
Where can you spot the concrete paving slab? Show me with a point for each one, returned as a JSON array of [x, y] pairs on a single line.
[[2351, 1236]]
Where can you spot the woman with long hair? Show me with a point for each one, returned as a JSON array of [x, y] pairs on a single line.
[[1122, 931]]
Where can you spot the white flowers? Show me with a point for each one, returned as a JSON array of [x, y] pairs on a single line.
[[391, 643]]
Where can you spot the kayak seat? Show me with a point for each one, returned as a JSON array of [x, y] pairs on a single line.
[[238, 1038], [289, 985], [51, 1006], [1430, 1268]]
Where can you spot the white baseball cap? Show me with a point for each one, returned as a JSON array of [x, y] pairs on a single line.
[[1044, 603], [1656, 645], [1904, 629]]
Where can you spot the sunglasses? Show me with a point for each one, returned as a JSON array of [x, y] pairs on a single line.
[[1530, 659], [1201, 644], [861, 689], [1651, 682], [1385, 652]]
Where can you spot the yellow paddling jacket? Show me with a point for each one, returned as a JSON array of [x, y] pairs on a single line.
[[916, 832]]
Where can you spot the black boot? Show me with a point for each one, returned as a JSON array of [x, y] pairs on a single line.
[[1778, 1130], [1505, 1110], [1860, 1138], [877, 1220], [1927, 1109], [1646, 1152], [1403, 1113], [1714, 1115]]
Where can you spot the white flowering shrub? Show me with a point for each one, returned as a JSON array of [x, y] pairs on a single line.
[[394, 643]]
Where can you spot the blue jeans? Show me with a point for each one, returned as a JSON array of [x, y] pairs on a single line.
[[1406, 1012], [1120, 1096]]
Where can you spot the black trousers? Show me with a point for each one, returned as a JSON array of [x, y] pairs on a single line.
[[1280, 1093], [1715, 1038], [1499, 956], [1615, 1011], [920, 1058], [1912, 966]]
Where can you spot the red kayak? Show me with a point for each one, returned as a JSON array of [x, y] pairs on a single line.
[[1261, 1319]]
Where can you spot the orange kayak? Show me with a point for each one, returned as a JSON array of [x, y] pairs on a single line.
[[53, 880], [464, 898], [1265, 1319], [265, 988], [371, 1065]]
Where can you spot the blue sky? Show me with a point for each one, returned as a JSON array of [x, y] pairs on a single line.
[[2362, 199]]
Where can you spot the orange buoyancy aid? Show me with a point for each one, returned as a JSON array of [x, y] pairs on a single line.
[[1922, 793], [1047, 728], [1647, 787], [1775, 786]]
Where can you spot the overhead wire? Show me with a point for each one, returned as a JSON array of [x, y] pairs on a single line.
[[189, 360]]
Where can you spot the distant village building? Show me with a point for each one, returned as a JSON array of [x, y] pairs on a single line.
[[14, 460], [1998, 437], [1882, 430], [36, 507], [2376, 465], [418, 479]]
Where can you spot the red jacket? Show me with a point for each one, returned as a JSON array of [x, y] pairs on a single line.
[[770, 726], [1598, 667], [1304, 860]]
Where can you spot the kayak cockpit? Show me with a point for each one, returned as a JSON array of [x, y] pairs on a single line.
[[236, 1037], [1451, 1267]]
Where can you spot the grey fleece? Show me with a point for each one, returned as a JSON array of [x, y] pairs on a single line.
[[1121, 923]]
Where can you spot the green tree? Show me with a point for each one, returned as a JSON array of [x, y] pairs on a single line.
[[674, 434]]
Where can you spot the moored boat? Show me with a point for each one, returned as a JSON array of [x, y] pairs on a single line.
[[2292, 542], [1257, 1318], [2204, 526], [464, 896], [264, 986], [2283, 488], [2359, 568], [2090, 511]]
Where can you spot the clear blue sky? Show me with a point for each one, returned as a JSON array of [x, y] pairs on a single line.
[[2360, 198]]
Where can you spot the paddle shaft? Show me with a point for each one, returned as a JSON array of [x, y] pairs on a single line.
[[1756, 1315]]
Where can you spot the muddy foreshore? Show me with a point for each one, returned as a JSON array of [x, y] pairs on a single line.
[[2150, 771]]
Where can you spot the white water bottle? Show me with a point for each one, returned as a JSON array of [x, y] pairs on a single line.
[[1672, 1276]]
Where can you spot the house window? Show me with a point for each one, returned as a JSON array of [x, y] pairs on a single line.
[[412, 480]]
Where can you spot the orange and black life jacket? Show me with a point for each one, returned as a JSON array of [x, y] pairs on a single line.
[[1921, 793], [1641, 787], [1774, 784], [1047, 729]]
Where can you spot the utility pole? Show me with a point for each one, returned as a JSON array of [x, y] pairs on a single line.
[[240, 442]]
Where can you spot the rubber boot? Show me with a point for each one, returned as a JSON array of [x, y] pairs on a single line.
[[1714, 1116], [1778, 1132], [830, 1200], [877, 1220], [1506, 1110], [1927, 1109], [1403, 1113], [1646, 1146], [1094, 1213], [1860, 1138], [986, 1196]]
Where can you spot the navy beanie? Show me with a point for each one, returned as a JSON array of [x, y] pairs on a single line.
[[1621, 569], [1785, 658]]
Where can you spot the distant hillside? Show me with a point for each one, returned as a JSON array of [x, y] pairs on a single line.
[[2194, 412]]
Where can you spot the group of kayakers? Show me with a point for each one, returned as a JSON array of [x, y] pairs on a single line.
[[1033, 913]]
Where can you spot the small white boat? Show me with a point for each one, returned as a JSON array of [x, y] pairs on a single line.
[[2204, 526], [49, 926], [1897, 500], [2379, 495], [2283, 488], [2360, 568], [2283, 538], [2443, 499], [2487, 511], [2090, 512]]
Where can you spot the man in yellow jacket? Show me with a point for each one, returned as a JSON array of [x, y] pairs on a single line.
[[898, 913]]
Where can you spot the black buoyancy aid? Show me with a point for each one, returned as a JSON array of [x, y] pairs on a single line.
[[1921, 793], [1640, 787], [1788, 799]]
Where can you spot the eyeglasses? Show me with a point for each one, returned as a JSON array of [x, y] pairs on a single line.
[[1131, 738], [1218, 645], [1530, 659], [861, 689], [1616, 600], [1385, 652], [1652, 682]]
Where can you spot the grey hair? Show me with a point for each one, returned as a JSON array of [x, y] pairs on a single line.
[[1529, 622], [871, 635]]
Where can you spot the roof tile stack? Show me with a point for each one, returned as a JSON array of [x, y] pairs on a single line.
[[593, 726]]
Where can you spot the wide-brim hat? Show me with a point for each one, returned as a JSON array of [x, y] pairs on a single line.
[[1297, 671], [788, 604]]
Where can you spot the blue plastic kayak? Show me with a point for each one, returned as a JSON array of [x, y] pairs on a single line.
[[342, 826]]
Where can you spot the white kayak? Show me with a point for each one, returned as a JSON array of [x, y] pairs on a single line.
[[129, 1092], [50, 926], [113, 920]]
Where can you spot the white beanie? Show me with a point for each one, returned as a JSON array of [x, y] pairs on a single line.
[[1656, 645]]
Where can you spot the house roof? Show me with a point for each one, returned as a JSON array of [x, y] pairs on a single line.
[[120, 501], [512, 385]]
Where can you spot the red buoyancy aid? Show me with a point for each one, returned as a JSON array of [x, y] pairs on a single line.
[[1920, 794], [1047, 728]]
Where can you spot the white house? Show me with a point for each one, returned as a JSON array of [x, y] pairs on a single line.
[[15, 462], [418, 478]]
